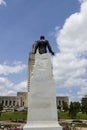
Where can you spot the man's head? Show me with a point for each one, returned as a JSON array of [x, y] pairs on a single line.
[[42, 37]]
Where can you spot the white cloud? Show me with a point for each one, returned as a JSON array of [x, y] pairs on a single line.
[[70, 65], [4, 82], [81, 1], [7, 87], [2, 2], [82, 92], [22, 86], [15, 68]]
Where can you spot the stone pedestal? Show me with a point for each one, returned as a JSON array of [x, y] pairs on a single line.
[[42, 111]]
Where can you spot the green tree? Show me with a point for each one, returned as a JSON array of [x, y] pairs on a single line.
[[1, 108], [74, 109], [77, 106], [65, 106], [59, 107], [84, 104]]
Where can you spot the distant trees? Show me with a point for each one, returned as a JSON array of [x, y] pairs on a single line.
[[65, 106], [84, 104], [74, 109], [59, 107], [1, 108]]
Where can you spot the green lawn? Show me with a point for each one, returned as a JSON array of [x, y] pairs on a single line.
[[65, 115], [13, 116], [23, 116], [82, 116]]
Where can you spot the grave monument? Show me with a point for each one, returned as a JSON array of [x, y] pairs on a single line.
[[42, 109]]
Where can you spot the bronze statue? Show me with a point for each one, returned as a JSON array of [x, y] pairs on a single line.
[[42, 46]]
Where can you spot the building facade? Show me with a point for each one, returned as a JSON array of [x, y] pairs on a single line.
[[20, 102], [11, 103], [8, 102], [61, 99]]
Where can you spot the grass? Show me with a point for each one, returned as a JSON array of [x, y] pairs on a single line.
[[13, 116], [65, 115], [82, 116], [23, 116]]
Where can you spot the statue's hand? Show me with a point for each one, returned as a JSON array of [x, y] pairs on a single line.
[[53, 53], [33, 53]]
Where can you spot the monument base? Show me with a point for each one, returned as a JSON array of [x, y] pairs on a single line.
[[42, 109], [42, 126]]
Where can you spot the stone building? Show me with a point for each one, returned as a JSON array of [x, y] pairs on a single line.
[[21, 99], [11, 103], [8, 102], [61, 99], [19, 102]]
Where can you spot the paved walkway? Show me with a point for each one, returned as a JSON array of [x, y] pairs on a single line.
[[82, 128]]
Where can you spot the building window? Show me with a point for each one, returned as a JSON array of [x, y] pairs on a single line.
[[13, 103], [6, 103], [62, 102], [23, 103], [3, 102], [10, 102], [59, 102]]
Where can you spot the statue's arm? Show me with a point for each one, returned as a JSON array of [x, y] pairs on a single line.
[[49, 48], [35, 48]]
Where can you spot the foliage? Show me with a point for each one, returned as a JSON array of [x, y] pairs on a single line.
[[73, 126], [59, 107], [84, 104], [1, 108], [74, 109], [65, 106]]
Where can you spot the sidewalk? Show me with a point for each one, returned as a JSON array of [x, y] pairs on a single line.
[[81, 128]]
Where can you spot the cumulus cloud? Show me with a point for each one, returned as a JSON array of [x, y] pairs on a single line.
[[7, 87], [22, 86], [2, 2], [4, 82], [70, 65], [6, 69], [82, 1]]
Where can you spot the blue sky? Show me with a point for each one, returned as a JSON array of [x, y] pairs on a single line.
[[63, 23]]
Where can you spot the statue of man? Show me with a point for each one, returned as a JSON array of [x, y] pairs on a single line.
[[42, 46]]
